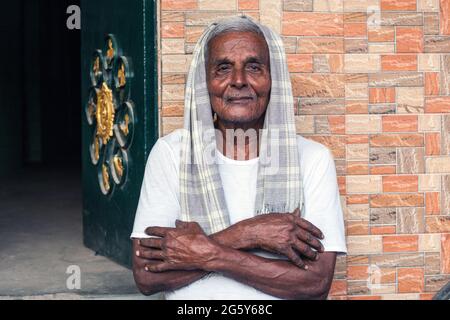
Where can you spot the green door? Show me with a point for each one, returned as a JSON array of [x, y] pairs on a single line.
[[119, 122]]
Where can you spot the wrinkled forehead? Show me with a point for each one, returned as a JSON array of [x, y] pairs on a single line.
[[236, 26], [238, 44]]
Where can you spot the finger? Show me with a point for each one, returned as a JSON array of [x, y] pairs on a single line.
[[180, 224], [308, 238], [305, 250], [151, 243], [157, 267], [296, 212], [150, 254], [309, 227], [157, 231], [293, 256]]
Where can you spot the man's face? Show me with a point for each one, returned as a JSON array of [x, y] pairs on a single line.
[[238, 76]]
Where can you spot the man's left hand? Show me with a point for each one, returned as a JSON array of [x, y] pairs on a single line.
[[185, 247]]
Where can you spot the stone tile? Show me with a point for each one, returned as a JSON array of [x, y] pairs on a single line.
[[429, 242], [436, 282], [318, 85], [437, 224], [382, 108], [410, 280], [429, 62], [410, 160], [431, 23], [357, 212], [444, 76], [397, 62], [382, 48], [409, 39], [382, 156], [437, 44], [364, 184], [176, 63], [381, 34], [357, 288], [445, 253], [169, 124], [432, 144], [397, 79], [299, 24], [429, 122], [400, 123], [357, 152], [445, 203], [328, 5], [398, 5], [410, 220], [178, 5], [321, 106], [321, 45], [221, 5], [353, 46], [395, 243], [362, 63], [444, 15], [438, 164], [428, 5], [204, 18], [432, 83], [401, 18], [439, 104], [410, 100], [400, 183], [397, 200], [362, 124], [398, 260], [304, 124], [173, 92], [172, 16], [172, 46], [300, 62], [432, 263], [429, 182], [364, 244], [397, 140], [357, 259], [383, 216], [359, 5], [290, 44], [445, 134], [298, 5], [340, 271]]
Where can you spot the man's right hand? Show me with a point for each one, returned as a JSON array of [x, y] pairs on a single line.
[[284, 233]]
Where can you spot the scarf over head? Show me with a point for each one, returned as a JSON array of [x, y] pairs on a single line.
[[279, 184]]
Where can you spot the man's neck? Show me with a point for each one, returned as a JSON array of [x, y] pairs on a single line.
[[239, 141]]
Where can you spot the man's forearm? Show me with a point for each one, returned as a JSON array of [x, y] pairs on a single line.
[[150, 282], [275, 277]]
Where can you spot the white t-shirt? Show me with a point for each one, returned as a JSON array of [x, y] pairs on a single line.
[[159, 205]]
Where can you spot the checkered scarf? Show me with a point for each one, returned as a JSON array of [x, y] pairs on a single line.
[[279, 186]]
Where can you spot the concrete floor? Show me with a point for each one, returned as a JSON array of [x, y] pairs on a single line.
[[41, 236]]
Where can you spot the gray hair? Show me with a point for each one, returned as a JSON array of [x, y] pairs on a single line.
[[233, 24]]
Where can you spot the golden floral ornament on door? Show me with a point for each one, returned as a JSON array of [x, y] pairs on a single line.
[[110, 113]]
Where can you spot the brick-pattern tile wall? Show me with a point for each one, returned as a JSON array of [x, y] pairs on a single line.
[[371, 80]]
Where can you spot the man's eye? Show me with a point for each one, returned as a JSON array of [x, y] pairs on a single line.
[[223, 68], [254, 67]]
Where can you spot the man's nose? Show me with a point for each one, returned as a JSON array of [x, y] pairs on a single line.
[[239, 79]]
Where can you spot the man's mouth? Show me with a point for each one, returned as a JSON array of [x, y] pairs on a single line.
[[243, 99]]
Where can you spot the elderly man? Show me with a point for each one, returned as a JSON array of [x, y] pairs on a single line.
[[258, 215]]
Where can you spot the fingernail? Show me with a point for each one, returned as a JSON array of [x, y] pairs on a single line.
[[137, 253], [146, 268], [139, 242], [317, 257], [306, 267]]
